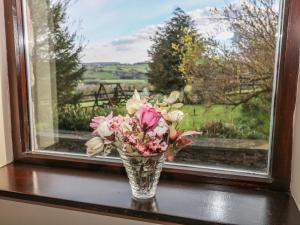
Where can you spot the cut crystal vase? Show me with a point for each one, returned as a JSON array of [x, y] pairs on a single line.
[[143, 173]]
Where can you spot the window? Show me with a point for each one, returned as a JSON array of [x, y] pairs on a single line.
[[86, 58], [35, 83]]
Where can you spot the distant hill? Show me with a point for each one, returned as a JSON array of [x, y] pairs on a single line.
[[95, 64], [115, 71]]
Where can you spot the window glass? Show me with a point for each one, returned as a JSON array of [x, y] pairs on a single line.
[[86, 58]]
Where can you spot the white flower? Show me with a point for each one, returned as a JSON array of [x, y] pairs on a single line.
[[189, 133], [173, 97], [103, 129], [161, 128], [174, 116], [94, 146], [134, 103], [125, 127]]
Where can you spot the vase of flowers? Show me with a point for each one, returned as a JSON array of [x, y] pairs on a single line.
[[144, 138], [143, 173]]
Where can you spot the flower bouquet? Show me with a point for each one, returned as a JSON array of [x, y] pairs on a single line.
[[144, 138]]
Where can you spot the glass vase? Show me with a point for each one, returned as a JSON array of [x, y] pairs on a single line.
[[143, 173]]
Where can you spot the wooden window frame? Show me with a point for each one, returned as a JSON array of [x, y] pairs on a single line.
[[284, 105]]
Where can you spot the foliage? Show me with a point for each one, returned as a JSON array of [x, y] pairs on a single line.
[[219, 129], [254, 122], [239, 73], [245, 128], [168, 52], [76, 118], [234, 74]]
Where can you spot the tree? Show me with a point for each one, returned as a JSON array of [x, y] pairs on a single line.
[[55, 44], [242, 71], [170, 44], [67, 55]]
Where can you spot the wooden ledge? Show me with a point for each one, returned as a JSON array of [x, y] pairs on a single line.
[[176, 202]]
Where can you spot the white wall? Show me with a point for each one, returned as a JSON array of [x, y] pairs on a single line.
[[5, 128], [295, 182], [18, 213]]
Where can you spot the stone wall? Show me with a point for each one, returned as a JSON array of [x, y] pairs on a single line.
[[211, 152]]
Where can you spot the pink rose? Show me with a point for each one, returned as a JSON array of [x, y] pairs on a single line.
[[148, 117]]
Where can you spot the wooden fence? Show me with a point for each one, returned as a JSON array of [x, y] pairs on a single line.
[[105, 97]]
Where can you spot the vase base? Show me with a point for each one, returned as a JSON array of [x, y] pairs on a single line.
[[143, 196]]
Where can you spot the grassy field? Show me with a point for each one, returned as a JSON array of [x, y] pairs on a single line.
[[88, 75], [139, 67], [123, 81], [116, 71], [198, 115]]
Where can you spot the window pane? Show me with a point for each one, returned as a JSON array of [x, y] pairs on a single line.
[[86, 58]]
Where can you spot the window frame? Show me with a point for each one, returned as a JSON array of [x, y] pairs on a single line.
[[284, 105]]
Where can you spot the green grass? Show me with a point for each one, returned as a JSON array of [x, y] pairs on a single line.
[[116, 81], [198, 115], [139, 67], [87, 104], [125, 81], [99, 75]]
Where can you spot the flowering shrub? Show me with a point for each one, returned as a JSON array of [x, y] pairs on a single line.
[[150, 127]]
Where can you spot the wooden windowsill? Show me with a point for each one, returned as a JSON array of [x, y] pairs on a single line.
[[176, 202]]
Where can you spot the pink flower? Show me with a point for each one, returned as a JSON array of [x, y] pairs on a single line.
[[148, 117], [163, 146], [132, 139], [162, 128], [156, 145], [96, 121], [153, 145], [142, 149], [113, 126]]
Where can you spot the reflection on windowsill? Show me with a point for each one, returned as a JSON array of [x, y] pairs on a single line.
[[148, 205]]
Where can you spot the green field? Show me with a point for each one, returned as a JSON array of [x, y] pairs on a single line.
[[122, 81], [90, 74], [116, 72], [198, 115]]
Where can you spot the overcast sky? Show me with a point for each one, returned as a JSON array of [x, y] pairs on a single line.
[[119, 30]]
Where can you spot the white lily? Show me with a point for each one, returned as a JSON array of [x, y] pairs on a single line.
[[134, 103]]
